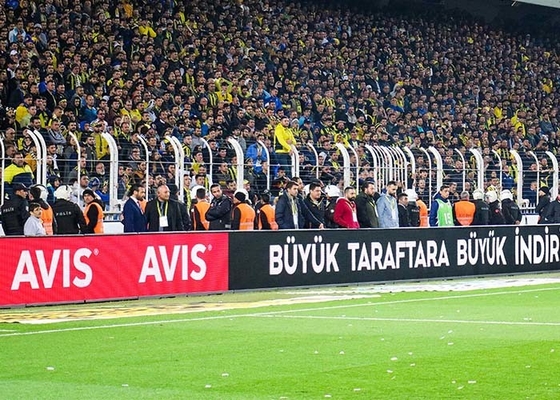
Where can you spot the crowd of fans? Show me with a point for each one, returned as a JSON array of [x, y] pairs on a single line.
[[279, 73]]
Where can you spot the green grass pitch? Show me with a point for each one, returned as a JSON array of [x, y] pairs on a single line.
[[494, 343]]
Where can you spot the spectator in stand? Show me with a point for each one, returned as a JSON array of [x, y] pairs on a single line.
[[452, 90], [345, 214], [133, 217], [366, 207], [441, 210], [464, 210], [162, 213], [17, 172], [288, 214], [219, 212], [387, 207], [283, 142]]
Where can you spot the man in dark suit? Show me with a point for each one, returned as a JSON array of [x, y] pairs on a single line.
[[133, 217], [163, 214]]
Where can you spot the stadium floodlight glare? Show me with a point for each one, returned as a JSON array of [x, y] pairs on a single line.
[[546, 3]]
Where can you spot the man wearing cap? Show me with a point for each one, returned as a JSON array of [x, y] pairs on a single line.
[[93, 213], [15, 211], [242, 214]]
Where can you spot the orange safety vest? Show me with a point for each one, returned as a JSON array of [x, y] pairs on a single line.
[[247, 219], [464, 212], [201, 208], [423, 213], [99, 226], [266, 212], [47, 216]]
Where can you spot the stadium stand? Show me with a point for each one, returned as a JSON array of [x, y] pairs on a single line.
[[144, 92]]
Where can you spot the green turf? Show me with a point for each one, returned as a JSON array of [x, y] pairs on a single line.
[[421, 345]]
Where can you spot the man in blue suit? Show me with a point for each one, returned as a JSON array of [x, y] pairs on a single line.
[[133, 216]]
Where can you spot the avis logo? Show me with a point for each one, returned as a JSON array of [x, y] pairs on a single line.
[[35, 269], [158, 261]]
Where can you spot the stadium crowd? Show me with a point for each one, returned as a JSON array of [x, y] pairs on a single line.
[[278, 73]]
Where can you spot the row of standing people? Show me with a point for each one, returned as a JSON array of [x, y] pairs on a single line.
[[27, 212]]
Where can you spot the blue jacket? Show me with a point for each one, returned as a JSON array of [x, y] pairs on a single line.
[[387, 211], [434, 209], [134, 219]]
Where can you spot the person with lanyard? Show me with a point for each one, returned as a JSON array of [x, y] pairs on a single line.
[[345, 214], [387, 207], [162, 213], [133, 217], [287, 213], [441, 212]]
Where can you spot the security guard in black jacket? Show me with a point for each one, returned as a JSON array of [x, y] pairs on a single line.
[[69, 217], [15, 211]]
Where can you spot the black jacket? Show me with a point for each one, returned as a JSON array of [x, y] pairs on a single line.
[[542, 208], [313, 213], [413, 213], [481, 213], [219, 213], [496, 216], [171, 210], [15, 212], [366, 211], [511, 211], [553, 213], [404, 221], [69, 217]]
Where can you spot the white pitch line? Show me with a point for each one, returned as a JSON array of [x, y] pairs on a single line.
[[270, 313], [424, 320], [382, 303]]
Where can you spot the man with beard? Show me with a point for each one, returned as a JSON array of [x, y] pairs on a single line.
[[314, 208], [133, 217], [366, 207], [219, 213], [345, 213]]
